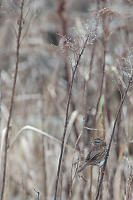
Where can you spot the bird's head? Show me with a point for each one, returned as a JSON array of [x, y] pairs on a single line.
[[98, 142]]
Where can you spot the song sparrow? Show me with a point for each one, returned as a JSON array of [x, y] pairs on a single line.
[[96, 155]]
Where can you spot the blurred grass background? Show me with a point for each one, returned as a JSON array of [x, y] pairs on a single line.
[[45, 70]]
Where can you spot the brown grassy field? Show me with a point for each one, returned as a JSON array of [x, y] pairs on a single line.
[[66, 71]]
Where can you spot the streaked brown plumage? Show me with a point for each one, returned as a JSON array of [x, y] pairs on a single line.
[[96, 156]]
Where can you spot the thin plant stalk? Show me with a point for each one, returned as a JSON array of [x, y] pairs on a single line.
[[111, 138], [12, 101], [67, 117]]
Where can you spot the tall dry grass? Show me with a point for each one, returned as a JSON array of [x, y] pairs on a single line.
[[74, 83]]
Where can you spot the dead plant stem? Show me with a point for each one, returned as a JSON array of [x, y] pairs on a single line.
[[111, 138], [67, 117], [12, 100]]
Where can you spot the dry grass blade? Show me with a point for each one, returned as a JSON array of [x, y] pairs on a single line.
[[36, 130], [2, 152]]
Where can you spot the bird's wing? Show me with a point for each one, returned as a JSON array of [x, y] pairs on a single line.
[[93, 155]]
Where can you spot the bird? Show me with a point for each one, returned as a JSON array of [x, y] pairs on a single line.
[[96, 155]]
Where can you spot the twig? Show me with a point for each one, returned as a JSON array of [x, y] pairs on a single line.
[[111, 138], [12, 100], [66, 119]]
